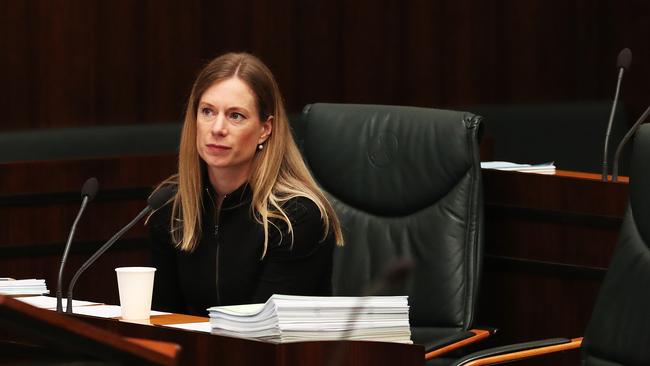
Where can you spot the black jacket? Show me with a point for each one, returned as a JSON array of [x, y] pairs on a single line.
[[227, 267]]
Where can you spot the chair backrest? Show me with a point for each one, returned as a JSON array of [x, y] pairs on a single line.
[[619, 330], [90, 142], [405, 182]]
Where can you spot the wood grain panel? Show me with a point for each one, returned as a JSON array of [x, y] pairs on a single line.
[[549, 240], [79, 63], [208, 349], [39, 201]]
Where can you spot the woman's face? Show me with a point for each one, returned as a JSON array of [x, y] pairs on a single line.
[[229, 127]]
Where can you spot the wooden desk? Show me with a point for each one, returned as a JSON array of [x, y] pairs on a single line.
[[200, 348], [31, 335], [549, 239]]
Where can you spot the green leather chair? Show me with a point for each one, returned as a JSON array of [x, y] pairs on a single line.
[[406, 183]]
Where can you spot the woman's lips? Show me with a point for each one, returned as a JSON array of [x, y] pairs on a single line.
[[215, 148]]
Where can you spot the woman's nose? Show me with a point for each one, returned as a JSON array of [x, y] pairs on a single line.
[[219, 126]]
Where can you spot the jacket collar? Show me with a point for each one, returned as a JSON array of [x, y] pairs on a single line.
[[241, 196]]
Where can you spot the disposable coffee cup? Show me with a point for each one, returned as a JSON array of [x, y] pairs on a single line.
[[135, 285]]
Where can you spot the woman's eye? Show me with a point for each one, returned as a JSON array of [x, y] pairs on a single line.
[[206, 111], [236, 116]]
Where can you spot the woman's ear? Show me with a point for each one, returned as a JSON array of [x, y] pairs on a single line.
[[267, 128]]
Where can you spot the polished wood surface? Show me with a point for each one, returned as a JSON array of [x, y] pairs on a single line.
[[549, 240], [479, 334], [61, 332], [84, 63], [588, 176], [150, 341], [171, 350], [563, 218], [201, 348], [176, 319]]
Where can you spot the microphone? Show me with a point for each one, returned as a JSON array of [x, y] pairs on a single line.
[[627, 136], [622, 63], [88, 192], [154, 202]]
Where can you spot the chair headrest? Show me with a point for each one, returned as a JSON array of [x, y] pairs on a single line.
[[382, 159]]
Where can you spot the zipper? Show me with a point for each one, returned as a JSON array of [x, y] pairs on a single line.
[[216, 236], [216, 239]]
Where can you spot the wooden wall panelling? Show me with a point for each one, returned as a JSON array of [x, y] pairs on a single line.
[[76, 63], [549, 240], [40, 200]]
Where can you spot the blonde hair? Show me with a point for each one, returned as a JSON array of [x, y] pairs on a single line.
[[278, 171]]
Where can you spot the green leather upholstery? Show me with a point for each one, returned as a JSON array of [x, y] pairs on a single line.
[[405, 182], [619, 330]]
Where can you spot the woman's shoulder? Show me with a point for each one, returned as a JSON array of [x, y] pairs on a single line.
[[306, 236], [301, 208], [160, 219], [163, 214]]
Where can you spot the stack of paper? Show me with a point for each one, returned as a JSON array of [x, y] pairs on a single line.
[[285, 318], [9, 286], [545, 168]]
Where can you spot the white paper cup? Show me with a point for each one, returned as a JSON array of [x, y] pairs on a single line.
[[135, 285]]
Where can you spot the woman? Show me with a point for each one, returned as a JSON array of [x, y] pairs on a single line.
[[248, 220]]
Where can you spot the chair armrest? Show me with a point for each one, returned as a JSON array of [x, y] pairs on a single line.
[[438, 348], [518, 351]]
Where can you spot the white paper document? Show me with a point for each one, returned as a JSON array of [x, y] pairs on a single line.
[[197, 327], [544, 168], [106, 311], [79, 307], [49, 302]]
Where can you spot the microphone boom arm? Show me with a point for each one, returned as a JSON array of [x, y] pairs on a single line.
[[99, 252], [610, 122], [627, 136]]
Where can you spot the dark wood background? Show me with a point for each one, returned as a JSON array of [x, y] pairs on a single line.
[[91, 62]]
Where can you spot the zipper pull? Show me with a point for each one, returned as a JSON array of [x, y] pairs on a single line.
[[216, 229]]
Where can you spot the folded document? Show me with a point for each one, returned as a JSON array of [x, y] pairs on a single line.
[[545, 168]]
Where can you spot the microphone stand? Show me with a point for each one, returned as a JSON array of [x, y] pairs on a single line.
[[609, 124], [59, 288]]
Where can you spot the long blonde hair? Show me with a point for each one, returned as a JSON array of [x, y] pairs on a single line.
[[278, 171]]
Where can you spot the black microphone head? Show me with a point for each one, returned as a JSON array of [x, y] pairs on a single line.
[[89, 189], [624, 59], [161, 196]]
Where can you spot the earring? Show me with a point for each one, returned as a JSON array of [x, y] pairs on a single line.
[[260, 147]]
